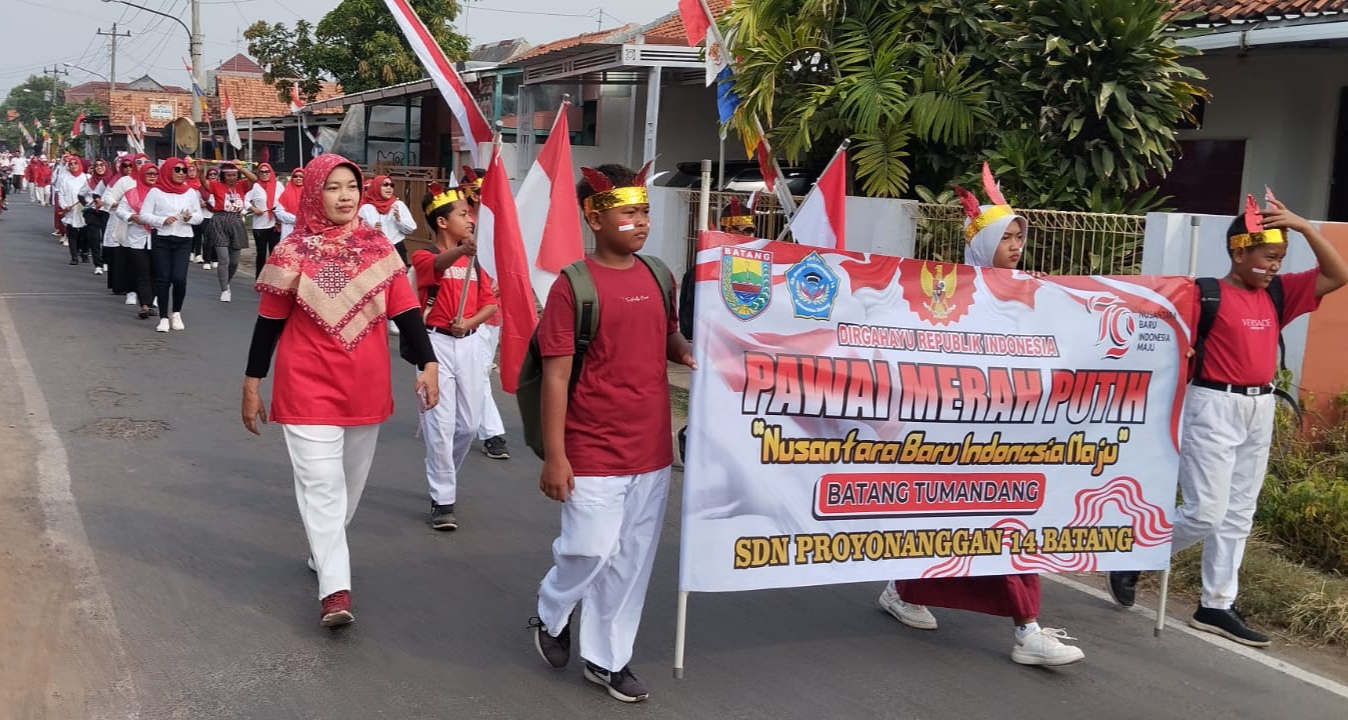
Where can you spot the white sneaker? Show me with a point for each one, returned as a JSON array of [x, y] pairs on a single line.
[[194, 258], [914, 616], [163, 325], [131, 299], [393, 329], [1046, 648], [224, 296], [178, 322], [65, 242], [155, 302], [98, 270]]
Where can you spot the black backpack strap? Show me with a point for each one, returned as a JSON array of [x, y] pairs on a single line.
[[1209, 299], [1276, 294], [586, 299]]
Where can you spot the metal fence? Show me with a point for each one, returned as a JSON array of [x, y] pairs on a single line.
[[1059, 243]]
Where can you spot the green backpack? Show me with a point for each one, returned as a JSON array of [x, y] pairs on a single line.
[[529, 393]]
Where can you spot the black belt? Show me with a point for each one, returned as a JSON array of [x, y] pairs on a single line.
[[443, 331], [1247, 390]]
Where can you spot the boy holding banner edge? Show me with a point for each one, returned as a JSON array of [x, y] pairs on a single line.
[[1229, 407], [607, 443], [994, 237]]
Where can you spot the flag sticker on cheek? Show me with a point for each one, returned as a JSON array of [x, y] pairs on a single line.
[[1259, 271], [626, 227]]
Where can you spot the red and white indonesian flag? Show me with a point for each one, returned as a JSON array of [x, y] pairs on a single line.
[[75, 129], [296, 104], [471, 121], [820, 221], [232, 124], [549, 218], [500, 252]]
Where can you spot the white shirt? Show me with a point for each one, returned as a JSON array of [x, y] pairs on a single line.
[[394, 229], [159, 206], [257, 198], [115, 234], [285, 218], [68, 194]]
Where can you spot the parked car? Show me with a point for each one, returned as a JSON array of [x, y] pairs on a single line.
[[740, 176]]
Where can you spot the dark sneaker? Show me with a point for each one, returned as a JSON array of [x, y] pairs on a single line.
[[555, 651], [1123, 587], [1229, 624], [337, 609], [622, 685], [442, 518], [495, 448]]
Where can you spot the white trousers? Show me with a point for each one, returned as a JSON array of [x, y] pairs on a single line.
[[44, 195], [331, 464], [491, 425], [602, 559], [448, 427], [1223, 457]]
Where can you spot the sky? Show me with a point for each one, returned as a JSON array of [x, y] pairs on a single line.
[[158, 46]]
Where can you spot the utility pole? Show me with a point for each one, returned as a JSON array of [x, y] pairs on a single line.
[[112, 73], [54, 72], [195, 49]]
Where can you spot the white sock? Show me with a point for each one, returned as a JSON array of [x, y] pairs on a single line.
[[1024, 631]]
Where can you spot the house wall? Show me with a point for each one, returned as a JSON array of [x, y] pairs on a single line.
[[1284, 104]]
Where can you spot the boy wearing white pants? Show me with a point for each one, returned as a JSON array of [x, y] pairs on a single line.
[[491, 430], [447, 280], [607, 442], [1229, 407]]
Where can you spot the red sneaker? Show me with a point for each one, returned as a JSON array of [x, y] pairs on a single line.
[[337, 609]]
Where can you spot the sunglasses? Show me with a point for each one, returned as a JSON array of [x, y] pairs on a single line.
[[180, 169], [263, 172], [387, 184]]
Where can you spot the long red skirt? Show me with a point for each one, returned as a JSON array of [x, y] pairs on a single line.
[[1013, 596]]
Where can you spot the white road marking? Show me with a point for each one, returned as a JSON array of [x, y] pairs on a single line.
[[65, 528], [1260, 656]]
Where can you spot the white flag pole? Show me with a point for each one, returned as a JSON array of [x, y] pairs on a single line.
[[1195, 224], [680, 633]]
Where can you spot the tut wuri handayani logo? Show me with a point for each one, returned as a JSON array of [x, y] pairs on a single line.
[[813, 286]]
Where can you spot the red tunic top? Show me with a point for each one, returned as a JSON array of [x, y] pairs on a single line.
[[617, 420], [317, 382]]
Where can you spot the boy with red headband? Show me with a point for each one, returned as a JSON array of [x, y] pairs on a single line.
[[1228, 410], [610, 470]]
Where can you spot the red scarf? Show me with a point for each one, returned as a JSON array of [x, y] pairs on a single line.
[[338, 274], [269, 187], [135, 197], [290, 197], [374, 195], [168, 181], [194, 182], [78, 171], [107, 177]]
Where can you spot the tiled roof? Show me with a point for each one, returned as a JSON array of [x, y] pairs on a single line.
[[98, 91], [177, 102], [669, 29], [254, 97], [617, 34], [240, 65], [1247, 10]]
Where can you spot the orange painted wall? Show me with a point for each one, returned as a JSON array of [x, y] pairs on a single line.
[[1324, 372]]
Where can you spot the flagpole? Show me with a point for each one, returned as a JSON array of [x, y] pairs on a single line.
[[472, 262], [842, 147]]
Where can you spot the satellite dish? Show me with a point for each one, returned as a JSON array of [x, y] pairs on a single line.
[[186, 137]]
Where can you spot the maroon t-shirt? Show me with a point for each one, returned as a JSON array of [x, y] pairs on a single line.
[[617, 420]]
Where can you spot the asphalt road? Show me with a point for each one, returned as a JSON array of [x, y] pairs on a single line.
[[198, 548]]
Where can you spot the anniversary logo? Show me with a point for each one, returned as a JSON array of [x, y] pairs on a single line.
[[862, 417]]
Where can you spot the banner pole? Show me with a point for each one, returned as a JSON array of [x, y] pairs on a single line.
[[1194, 226], [704, 199], [680, 632]]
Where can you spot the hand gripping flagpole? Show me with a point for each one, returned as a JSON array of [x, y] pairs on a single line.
[[472, 262]]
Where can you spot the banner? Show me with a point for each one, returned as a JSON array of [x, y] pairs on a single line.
[[861, 417]]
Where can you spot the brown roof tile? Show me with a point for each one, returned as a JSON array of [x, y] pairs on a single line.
[[253, 97], [669, 29], [240, 64], [601, 36], [1232, 10]]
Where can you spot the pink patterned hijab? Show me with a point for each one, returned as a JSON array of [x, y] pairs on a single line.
[[337, 273]]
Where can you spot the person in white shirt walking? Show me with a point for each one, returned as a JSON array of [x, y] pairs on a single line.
[[260, 201], [71, 193], [287, 207], [134, 264], [172, 208]]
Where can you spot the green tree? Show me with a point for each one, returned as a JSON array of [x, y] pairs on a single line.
[[358, 45], [42, 98], [1074, 102]]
